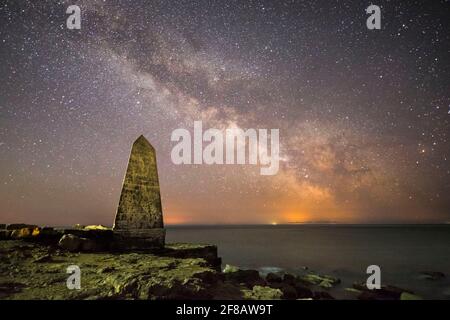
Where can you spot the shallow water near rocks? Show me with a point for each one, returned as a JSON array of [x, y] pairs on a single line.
[[343, 251]]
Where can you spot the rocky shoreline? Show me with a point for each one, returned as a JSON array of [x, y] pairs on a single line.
[[33, 263]]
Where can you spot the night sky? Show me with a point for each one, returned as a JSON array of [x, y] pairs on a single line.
[[363, 114]]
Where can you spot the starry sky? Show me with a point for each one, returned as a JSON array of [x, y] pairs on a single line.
[[363, 114]]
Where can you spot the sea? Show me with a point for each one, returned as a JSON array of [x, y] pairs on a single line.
[[402, 252]]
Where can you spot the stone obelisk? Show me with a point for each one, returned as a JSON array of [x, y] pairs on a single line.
[[139, 219]]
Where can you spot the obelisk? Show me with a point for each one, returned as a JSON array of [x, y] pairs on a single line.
[[139, 219]]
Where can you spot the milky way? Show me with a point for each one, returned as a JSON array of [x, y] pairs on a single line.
[[363, 114]]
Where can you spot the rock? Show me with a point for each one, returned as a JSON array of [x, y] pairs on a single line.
[[22, 233], [89, 245], [323, 281], [273, 278], [229, 268], [289, 278], [74, 243], [204, 251], [16, 226], [7, 288], [249, 278], [208, 277], [289, 292], [432, 275], [302, 291], [43, 258], [360, 286], [106, 270], [263, 293], [299, 286], [353, 290], [409, 296], [36, 232], [50, 234], [385, 293], [326, 284], [96, 227], [393, 290], [322, 295], [124, 275], [70, 242], [5, 234]]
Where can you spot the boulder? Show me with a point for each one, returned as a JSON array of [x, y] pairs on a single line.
[[301, 289], [249, 278], [70, 242], [288, 291], [229, 268], [75, 243], [323, 281], [263, 293], [385, 293], [88, 245], [25, 233], [273, 278]]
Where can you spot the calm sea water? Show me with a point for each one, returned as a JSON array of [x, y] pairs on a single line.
[[345, 251]]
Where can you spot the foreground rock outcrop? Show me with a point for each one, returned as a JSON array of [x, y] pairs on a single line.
[[34, 262]]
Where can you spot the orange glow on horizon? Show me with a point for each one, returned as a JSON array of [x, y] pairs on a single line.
[[290, 217], [174, 219]]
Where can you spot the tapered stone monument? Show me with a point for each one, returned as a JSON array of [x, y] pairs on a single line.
[[139, 219]]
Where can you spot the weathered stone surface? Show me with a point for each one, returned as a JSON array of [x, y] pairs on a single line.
[[139, 220], [288, 291], [387, 292], [248, 278], [31, 270], [301, 289], [273, 277], [186, 250], [263, 293], [323, 281], [37, 270], [230, 268], [139, 239], [25, 233], [74, 243], [140, 200], [70, 242]]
